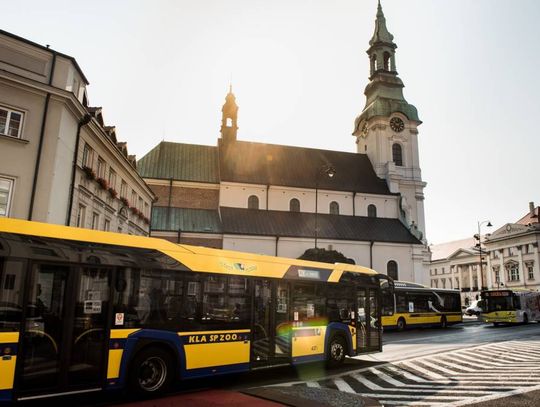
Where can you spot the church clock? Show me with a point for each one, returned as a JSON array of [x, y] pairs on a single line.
[[397, 124]]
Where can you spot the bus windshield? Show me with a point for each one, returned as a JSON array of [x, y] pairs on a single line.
[[499, 304]]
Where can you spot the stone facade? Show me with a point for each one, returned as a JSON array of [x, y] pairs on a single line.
[[510, 258], [57, 158]]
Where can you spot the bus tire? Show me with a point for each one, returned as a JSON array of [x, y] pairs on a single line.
[[151, 371], [444, 322], [401, 324], [337, 350], [495, 324], [525, 319]]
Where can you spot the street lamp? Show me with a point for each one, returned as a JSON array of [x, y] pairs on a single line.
[[479, 245], [327, 170]]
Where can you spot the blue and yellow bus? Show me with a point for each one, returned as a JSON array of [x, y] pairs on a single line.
[[415, 305], [84, 310]]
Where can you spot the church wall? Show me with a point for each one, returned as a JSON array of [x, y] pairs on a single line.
[[251, 244], [186, 197], [387, 207], [280, 197], [236, 195]]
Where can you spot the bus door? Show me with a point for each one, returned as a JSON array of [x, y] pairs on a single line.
[[63, 341], [369, 323], [271, 333]]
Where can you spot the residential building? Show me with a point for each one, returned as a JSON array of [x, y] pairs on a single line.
[[282, 200], [59, 163], [509, 257], [513, 259]]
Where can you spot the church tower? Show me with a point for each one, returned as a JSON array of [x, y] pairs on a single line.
[[229, 118], [386, 130]]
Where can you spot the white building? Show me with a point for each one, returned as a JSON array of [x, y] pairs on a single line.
[[283, 200], [510, 259], [59, 163]]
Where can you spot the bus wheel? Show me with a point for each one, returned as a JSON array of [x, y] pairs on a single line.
[[337, 349], [151, 372], [401, 324], [525, 319], [444, 323], [495, 324]]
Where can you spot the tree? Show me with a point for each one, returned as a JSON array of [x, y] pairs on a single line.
[[325, 256]]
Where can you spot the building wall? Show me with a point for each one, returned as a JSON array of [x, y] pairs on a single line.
[[520, 249], [236, 195], [18, 156], [26, 70], [181, 194]]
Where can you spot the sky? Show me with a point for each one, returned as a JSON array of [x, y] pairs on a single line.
[[161, 69]]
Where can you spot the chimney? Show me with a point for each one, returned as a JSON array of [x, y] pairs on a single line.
[[531, 209]]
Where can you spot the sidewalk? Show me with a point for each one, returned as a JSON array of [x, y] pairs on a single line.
[[295, 396], [206, 398]]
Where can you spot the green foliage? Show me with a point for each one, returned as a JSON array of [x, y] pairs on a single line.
[[325, 256]]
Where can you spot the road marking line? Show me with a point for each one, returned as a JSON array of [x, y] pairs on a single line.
[[343, 386], [426, 372], [458, 367], [494, 396]]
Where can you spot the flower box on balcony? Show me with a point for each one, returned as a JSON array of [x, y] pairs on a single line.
[[90, 173], [103, 183], [125, 202]]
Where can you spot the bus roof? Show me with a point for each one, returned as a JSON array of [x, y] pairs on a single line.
[[407, 285], [196, 258]]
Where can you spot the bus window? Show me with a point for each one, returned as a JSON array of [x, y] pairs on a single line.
[[402, 303], [148, 298], [387, 304], [339, 304], [517, 302], [11, 277], [308, 302]]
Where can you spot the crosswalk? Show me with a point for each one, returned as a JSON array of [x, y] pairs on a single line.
[[455, 378]]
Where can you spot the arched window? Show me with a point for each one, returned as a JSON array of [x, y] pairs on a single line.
[[334, 208], [294, 205], [397, 156], [392, 270], [386, 61], [253, 202], [229, 122], [372, 211]]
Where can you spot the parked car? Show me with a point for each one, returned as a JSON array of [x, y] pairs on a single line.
[[475, 308]]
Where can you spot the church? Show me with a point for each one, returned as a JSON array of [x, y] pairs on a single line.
[[282, 200]]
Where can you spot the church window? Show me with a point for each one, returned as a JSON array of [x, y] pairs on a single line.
[[386, 61], [334, 208], [392, 269], [229, 122], [294, 205], [253, 202], [372, 211], [397, 155]]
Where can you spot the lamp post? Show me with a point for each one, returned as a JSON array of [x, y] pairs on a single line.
[[479, 244], [329, 171]]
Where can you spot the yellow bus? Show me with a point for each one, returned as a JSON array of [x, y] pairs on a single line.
[[510, 306], [84, 310], [415, 305]]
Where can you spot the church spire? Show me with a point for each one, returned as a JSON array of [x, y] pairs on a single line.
[[229, 117], [382, 48], [381, 33]]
